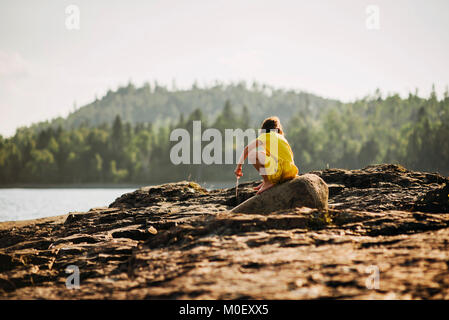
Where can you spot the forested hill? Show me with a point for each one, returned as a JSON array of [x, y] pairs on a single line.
[[122, 144], [158, 105]]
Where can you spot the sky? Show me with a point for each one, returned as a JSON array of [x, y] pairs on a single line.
[[341, 49]]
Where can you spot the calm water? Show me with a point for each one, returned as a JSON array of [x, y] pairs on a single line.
[[30, 203], [25, 204]]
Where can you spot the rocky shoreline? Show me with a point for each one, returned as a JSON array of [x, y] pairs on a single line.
[[180, 241]]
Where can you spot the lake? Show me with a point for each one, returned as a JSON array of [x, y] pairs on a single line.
[[33, 203], [25, 204]]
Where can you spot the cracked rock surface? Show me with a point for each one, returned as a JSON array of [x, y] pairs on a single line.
[[180, 241]]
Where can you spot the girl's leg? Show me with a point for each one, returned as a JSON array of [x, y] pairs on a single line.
[[257, 158], [265, 186], [258, 187]]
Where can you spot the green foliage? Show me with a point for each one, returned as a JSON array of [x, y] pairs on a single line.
[[159, 106], [412, 131], [129, 147]]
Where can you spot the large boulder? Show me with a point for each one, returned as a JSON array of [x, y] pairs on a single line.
[[307, 190]]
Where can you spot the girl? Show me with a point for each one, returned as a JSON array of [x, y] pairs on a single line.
[[271, 155]]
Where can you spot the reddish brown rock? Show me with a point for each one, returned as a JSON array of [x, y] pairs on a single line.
[[181, 241]]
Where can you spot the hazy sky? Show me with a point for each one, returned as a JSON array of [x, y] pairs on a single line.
[[323, 47]]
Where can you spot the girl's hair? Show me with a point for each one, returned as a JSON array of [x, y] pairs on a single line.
[[272, 123]]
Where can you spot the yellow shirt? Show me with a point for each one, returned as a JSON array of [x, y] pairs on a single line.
[[274, 140], [280, 165]]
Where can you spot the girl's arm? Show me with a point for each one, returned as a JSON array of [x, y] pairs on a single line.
[[251, 146]]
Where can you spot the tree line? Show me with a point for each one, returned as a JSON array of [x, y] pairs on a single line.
[[412, 131]]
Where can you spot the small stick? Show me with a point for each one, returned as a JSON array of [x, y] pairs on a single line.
[[236, 189]]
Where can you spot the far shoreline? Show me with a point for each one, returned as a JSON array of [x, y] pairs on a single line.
[[74, 186], [93, 185]]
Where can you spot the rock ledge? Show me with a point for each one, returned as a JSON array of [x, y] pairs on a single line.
[[179, 241]]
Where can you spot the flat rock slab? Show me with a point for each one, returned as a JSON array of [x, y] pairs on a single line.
[[307, 190]]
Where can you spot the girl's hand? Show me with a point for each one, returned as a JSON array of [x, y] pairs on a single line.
[[238, 172]]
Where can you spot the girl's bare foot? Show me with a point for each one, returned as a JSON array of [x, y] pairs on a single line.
[[258, 187], [265, 186]]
